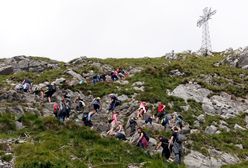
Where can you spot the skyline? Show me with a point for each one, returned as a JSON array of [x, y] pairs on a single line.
[[64, 30]]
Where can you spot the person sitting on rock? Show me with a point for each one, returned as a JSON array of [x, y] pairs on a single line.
[[143, 138], [143, 107], [103, 77], [115, 102], [96, 103], [164, 143], [120, 133]]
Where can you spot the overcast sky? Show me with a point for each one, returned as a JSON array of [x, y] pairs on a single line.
[[66, 29]]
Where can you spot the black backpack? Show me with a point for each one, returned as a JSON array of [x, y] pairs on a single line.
[[85, 116]]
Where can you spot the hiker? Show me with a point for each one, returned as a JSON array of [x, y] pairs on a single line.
[[67, 102], [143, 138], [87, 118], [114, 76], [142, 109], [132, 125], [79, 104], [51, 89], [160, 111], [27, 85], [176, 144], [113, 122], [95, 79], [103, 77], [120, 133], [56, 109], [164, 143], [96, 104], [62, 111], [165, 121], [115, 102]]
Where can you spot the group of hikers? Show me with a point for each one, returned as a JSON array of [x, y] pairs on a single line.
[[115, 75], [172, 146]]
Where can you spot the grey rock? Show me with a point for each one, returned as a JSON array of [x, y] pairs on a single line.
[[238, 127], [224, 127], [122, 82], [152, 141], [191, 91], [19, 125], [197, 124], [176, 72], [211, 129], [201, 118], [123, 98], [75, 75], [6, 70], [240, 146]]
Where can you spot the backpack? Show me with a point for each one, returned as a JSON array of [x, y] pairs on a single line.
[[85, 116], [180, 138], [146, 136], [118, 102], [55, 107]]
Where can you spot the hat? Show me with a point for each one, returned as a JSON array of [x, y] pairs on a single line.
[[98, 98]]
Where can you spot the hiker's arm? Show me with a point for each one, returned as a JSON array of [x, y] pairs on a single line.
[[141, 135], [158, 146], [170, 141]]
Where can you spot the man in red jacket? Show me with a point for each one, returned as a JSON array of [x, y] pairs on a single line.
[[160, 112]]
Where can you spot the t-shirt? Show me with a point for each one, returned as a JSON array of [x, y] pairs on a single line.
[[161, 108], [165, 142], [174, 134]]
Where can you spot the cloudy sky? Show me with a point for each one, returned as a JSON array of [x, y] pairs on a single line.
[[66, 29]]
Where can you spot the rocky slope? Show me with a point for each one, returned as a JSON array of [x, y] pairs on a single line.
[[210, 95]]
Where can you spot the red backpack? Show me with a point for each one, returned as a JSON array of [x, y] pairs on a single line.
[[55, 107]]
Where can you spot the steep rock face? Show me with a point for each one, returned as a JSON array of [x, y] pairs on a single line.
[[237, 58], [24, 63], [224, 104], [197, 160]]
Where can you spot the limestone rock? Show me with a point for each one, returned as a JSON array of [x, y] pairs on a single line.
[[211, 129], [191, 91]]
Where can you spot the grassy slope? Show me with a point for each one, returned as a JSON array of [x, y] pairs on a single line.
[[53, 144], [157, 81]]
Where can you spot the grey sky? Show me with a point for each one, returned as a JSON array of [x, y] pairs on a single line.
[[66, 29]]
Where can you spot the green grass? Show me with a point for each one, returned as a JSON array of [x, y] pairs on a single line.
[[54, 144], [239, 165]]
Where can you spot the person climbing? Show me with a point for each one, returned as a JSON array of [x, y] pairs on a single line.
[[120, 133], [115, 102], [27, 85], [96, 103], [56, 109], [51, 89], [164, 143], [143, 138], [95, 79], [103, 77], [143, 107], [114, 76], [132, 125], [176, 144], [87, 118], [160, 111], [62, 111], [80, 105], [113, 122]]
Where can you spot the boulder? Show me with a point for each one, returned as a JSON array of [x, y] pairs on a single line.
[[191, 91], [6, 70], [238, 127], [211, 129], [75, 75]]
